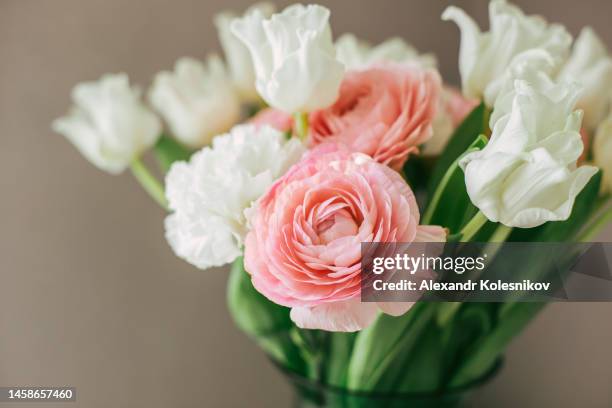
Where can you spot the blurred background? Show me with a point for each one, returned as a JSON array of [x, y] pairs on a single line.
[[91, 295]]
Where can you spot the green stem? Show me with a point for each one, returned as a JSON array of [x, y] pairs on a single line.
[[300, 124], [433, 204], [471, 228], [501, 233], [593, 229], [150, 184]]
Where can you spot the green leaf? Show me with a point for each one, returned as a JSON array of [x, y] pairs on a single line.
[[339, 355], [471, 323], [421, 370], [381, 349], [266, 322], [450, 205], [474, 124], [542, 265], [417, 171], [168, 150], [489, 348]]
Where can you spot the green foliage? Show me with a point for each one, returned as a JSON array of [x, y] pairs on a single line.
[[381, 349], [450, 205], [168, 150], [435, 346], [266, 322], [475, 124], [487, 350]]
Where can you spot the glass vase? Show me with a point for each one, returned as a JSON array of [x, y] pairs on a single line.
[[311, 394]]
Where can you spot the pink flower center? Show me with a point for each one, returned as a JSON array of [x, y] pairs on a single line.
[[338, 225]]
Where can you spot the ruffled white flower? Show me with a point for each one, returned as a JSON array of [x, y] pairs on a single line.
[[485, 58], [602, 151], [108, 123], [236, 53], [209, 194], [590, 65], [197, 101], [357, 54], [537, 71], [527, 175], [294, 57]]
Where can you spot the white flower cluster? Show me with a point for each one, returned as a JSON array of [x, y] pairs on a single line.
[[487, 58], [525, 69], [208, 195], [527, 174]]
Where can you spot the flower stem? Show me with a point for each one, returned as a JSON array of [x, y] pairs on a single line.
[[595, 227], [300, 124], [150, 184], [501, 233], [473, 226]]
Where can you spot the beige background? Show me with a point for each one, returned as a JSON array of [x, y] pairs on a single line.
[[91, 295]]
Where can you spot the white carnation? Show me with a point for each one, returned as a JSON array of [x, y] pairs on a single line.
[[209, 194]]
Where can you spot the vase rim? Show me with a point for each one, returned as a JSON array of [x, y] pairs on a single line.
[[483, 379]]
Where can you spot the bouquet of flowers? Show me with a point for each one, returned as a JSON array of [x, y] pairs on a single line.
[[285, 157]]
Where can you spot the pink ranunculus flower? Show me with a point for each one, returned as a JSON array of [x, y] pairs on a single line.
[[385, 111], [457, 106], [304, 247], [453, 109], [275, 118]]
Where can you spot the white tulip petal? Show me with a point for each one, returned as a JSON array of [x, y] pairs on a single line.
[[197, 101], [109, 124], [602, 151], [357, 54], [237, 54], [486, 59], [294, 57], [527, 175], [590, 64]]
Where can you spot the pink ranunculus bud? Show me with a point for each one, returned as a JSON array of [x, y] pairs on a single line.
[[385, 111]]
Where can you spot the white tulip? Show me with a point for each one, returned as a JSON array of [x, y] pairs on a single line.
[[236, 53], [590, 65], [485, 58], [538, 71], [527, 175], [294, 57], [197, 101], [357, 54], [602, 151], [108, 123], [209, 194]]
